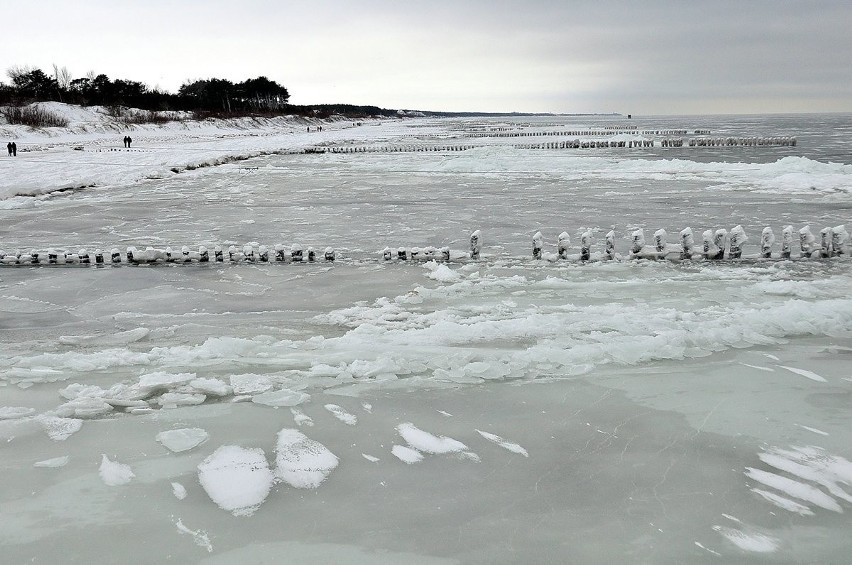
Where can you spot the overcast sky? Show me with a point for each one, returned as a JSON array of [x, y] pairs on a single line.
[[636, 56]]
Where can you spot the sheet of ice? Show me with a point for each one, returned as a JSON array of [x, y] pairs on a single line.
[[796, 489], [369, 458], [182, 439], [179, 491], [59, 429], [175, 399], [805, 373], [505, 444], [237, 479], [114, 473], [406, 454], [341, 414], [442, 273], [200, 537], [753, 542], [784, 503], [302, 462], [281, 397], [53, 463]]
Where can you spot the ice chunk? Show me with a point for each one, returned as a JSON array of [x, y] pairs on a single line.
[[302, 462], [342, 415], [83, 408], [15, 412], [211, 387], [175, 399], [406, 454], [154, 382], [281, 397], [199, 536], [442, 273], [179, 491], [114, 473], [505, 444], [182, 439], [805, 373], [369, 458], [54, 463], [237, 479]]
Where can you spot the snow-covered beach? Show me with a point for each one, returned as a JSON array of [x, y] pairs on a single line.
[[500, 410]]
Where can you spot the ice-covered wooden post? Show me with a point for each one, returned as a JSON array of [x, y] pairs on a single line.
[[638, 242], [329, 254], [767, 239], [184, 251], [586, 246], [610, 245], [51, 256], [839, 235], [475, 244], [387, 254], [263, 254], [710, 250], [538, 242], [402, 254], [279, 252], [203, 254], [806, 241], [248, 253], [218, 256], [660, 241], [686, 242], [720, 240], [562, 244], [296, 253], [445, 253], [825, 236], [786, 242], [115, 255], [130, 252], [738, 239], [34, 257]]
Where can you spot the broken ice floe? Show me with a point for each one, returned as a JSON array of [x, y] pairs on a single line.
[[179, 491], [182, 439], [302, 462], [281, 397], [114, 473], [53, 463], [423, 442]]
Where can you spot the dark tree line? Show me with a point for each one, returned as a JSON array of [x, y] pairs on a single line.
[[208, 97]]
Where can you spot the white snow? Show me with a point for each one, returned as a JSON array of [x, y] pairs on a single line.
[[753, 542], [302, 462], [60, 429], [784, 503], [114, 473], [237, 479], [200, 537], [300, 418], [796, 489], [182, 439], [369, 458]]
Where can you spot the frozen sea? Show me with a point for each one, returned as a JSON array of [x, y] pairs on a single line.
[[504, 410]]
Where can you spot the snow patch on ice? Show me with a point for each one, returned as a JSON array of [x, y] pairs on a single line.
[[753, 542], [795, 489], [784, 503], [805, 373], [59, 429], [199, 536], [441, 273], [406, 454], [429, 443], [369, 458], [300, 418], [237, 479]]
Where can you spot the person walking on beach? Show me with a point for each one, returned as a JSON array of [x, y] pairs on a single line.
[[125, 141], [14, 149], [9, 148], [129, 141]]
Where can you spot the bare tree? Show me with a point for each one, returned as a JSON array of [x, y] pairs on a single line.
[[17, 71]]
